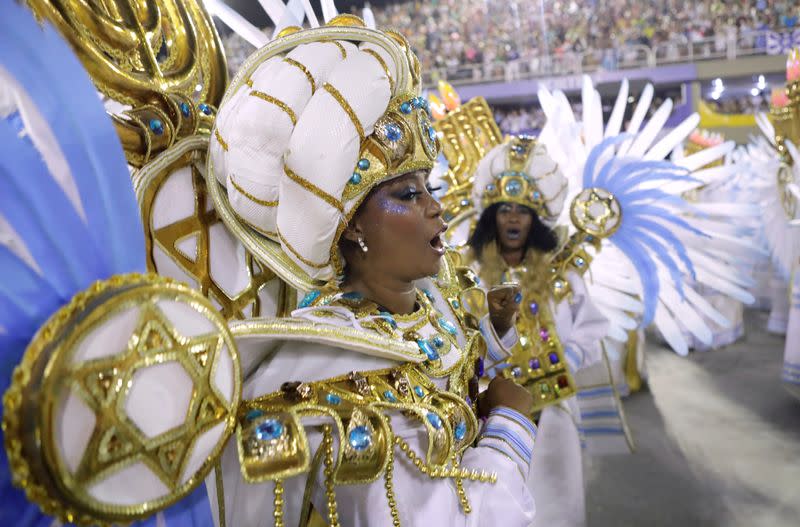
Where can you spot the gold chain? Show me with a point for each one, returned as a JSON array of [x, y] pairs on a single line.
[[390, 489], [278, 511], [462, 494], [443, 471], [330, 492]]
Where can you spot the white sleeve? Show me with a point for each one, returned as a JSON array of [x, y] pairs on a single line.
[[581, 326], [497, 349]]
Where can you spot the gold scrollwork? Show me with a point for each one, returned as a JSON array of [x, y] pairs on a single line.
[[163, 58]]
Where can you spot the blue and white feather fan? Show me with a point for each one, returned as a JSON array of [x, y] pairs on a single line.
[[68, 214]]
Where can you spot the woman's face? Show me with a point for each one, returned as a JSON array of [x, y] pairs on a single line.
[[513, 225], [401, 224]]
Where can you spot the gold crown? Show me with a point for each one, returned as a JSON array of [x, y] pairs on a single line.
[[404, 140], [514, 184]]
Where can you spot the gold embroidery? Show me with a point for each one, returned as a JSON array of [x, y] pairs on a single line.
[[249, 82], [305, 71], [346, 107], [382, 62], [330, 200], [339, 45], [280, 104], [252, 198], [220, 140], [300, 256]]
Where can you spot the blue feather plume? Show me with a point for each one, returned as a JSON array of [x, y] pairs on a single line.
[[70, 252]]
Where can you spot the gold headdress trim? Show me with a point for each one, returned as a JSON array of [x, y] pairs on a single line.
[[305, 71], [252, 198], [338, 45], [220, 140], [382, 62], [330, 200], [300, 256], [277, 102], [346, 107]]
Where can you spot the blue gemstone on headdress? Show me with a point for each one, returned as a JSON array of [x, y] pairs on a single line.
[[185, 109], [157, 126], [333, 399], [269, 430], [460, 431], [428, 294], [427, 349], [553, 356], [513, 187], [537, 195], [253, 414], [431, 133], [516, 371], [360, 438], [405, 108], [363, 164], [415, 102], [393, 132], [389, 396], [434, 420], [419, 391], [455, 304], [447, 326], [203, 107], [355, 179], [438, 341], [309, 298]]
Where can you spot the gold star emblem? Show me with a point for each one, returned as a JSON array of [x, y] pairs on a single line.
[[198, 265], [104, 385]]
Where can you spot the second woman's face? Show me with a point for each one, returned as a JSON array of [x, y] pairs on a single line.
[[402, 228], [513, 225]]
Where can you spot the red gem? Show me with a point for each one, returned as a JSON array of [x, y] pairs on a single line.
[[562, 381]]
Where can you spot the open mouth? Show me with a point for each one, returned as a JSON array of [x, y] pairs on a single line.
[[513, 234], [437, 243]]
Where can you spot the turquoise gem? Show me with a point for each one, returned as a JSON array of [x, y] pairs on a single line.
[[389, 396], [360, 438], [185, 109], [427, 349], [434, 420], [333, 399], [269, 430], [405, 108], [513, 187], [460, 431], [537, 195], [447, 326], [254, 414], [431, 133], [428, 294], [309, 298], [393, 132], [438, 341], [363, 164], [157, 126], [389, 318], [355, 179], [352, 295], [456, 304], [419, 391], [203, 107]]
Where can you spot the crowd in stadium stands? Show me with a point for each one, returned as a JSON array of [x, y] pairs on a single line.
[[476, 38]]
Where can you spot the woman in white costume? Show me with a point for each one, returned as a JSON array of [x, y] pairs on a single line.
[[357, 408], [518, 194]]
